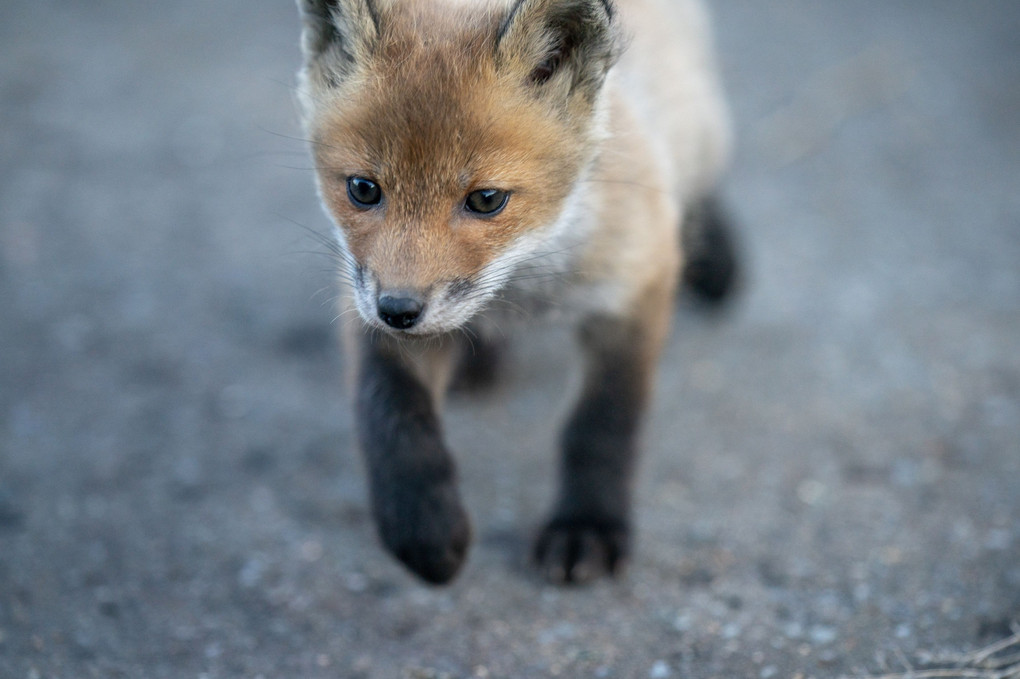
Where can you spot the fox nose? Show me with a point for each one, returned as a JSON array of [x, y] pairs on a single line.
[[399, 312]]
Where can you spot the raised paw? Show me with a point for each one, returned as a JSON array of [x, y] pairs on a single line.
[[427, 529], [576, 551]]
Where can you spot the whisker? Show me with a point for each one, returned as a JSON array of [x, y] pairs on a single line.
[[467, 335], [623, 182], [303, 140], [341, 315]]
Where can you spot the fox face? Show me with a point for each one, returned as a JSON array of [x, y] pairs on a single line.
[[450, 142]]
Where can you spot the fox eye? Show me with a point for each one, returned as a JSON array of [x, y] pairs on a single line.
[[363, 193], [547, 68], [486, 202]]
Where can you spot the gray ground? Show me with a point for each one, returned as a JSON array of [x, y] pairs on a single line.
[[831, 481]]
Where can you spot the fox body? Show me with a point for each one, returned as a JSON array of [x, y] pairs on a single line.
[[547, 152]]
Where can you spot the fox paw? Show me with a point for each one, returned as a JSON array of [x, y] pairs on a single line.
[[576, 551], [427, 530], [712, 267]]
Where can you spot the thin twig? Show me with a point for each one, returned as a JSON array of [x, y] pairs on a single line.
[[961, 673], [979, 664], [980, 656]]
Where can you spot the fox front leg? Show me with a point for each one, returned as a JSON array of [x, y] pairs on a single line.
[[412, 478], [589, 532]]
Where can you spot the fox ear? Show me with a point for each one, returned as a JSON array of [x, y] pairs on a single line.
[[337, 35], [568, 44]]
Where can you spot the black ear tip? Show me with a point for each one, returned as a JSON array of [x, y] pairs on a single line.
[[316, 7]]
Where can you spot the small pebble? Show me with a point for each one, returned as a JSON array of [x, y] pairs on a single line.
[[731, 631], [659, 670], [355, 582], [998, 539], [823, 634], [811, 492], [250, 573]]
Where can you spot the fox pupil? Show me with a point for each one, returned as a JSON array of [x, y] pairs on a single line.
[[363, 192], [486, 201]]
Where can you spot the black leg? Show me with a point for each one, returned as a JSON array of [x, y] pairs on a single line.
[[415, 501], [589, 532], [711, 266]]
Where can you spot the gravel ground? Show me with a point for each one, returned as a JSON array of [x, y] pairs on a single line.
[[831, 480]]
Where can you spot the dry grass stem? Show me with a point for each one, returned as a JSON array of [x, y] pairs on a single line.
[[990, 662]]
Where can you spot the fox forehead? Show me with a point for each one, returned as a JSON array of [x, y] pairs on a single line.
[[430, 115], [422, 89]]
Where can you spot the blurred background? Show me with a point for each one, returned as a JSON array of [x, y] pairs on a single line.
[[831, 481]]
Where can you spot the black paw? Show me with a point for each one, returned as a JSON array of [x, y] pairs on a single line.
[[574, 551], [711, 268], [427, 529]]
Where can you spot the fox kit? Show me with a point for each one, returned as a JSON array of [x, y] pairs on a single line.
[[547, 152]]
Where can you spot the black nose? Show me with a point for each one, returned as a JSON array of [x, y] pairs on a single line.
[[399, 312]]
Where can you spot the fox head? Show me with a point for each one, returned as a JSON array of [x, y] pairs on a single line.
[[448, 139]]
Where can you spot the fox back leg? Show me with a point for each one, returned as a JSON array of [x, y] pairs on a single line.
[[711, 265], [480, 359]]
